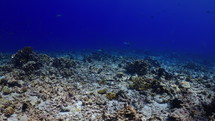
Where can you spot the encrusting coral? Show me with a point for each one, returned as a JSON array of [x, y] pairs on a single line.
[[27, 60], [143, 84], [138, 67]]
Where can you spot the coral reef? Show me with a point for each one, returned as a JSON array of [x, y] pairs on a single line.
[[103, 91], [63, 63], [111, 95], [104, 86], [24, 56], [160, 72], [195, 67], [64, 66], [27, 60], [128, 113], [8, 111], [143, 84], [6, 90], [210, 108], [139, 67]]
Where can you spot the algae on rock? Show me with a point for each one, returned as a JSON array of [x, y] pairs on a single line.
[[111, 96], [143, 84], [6, 90]]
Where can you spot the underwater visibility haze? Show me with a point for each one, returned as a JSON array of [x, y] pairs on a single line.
[[107, 60], [164, 25]]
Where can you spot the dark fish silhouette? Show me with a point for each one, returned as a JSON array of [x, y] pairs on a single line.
[[209, 12]]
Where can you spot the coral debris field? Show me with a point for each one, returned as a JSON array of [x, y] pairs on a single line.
[[104, 86]]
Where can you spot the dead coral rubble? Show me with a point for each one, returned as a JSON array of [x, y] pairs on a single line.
[[64, 66], [128, 113], [160, 72], [27, 60], [195, 66], [142, 84], [24, 56], [210, 108], [94, 87], [63, 63], [138, 67]]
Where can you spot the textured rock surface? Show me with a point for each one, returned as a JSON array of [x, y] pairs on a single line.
[[100, 86]]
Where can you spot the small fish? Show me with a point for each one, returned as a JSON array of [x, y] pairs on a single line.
[[100, 50], [152, 17], [127, 43], [209, 12], [58, 15]]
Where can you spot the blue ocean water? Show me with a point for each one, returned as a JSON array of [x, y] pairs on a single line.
[[107, 60], [158, 25]]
